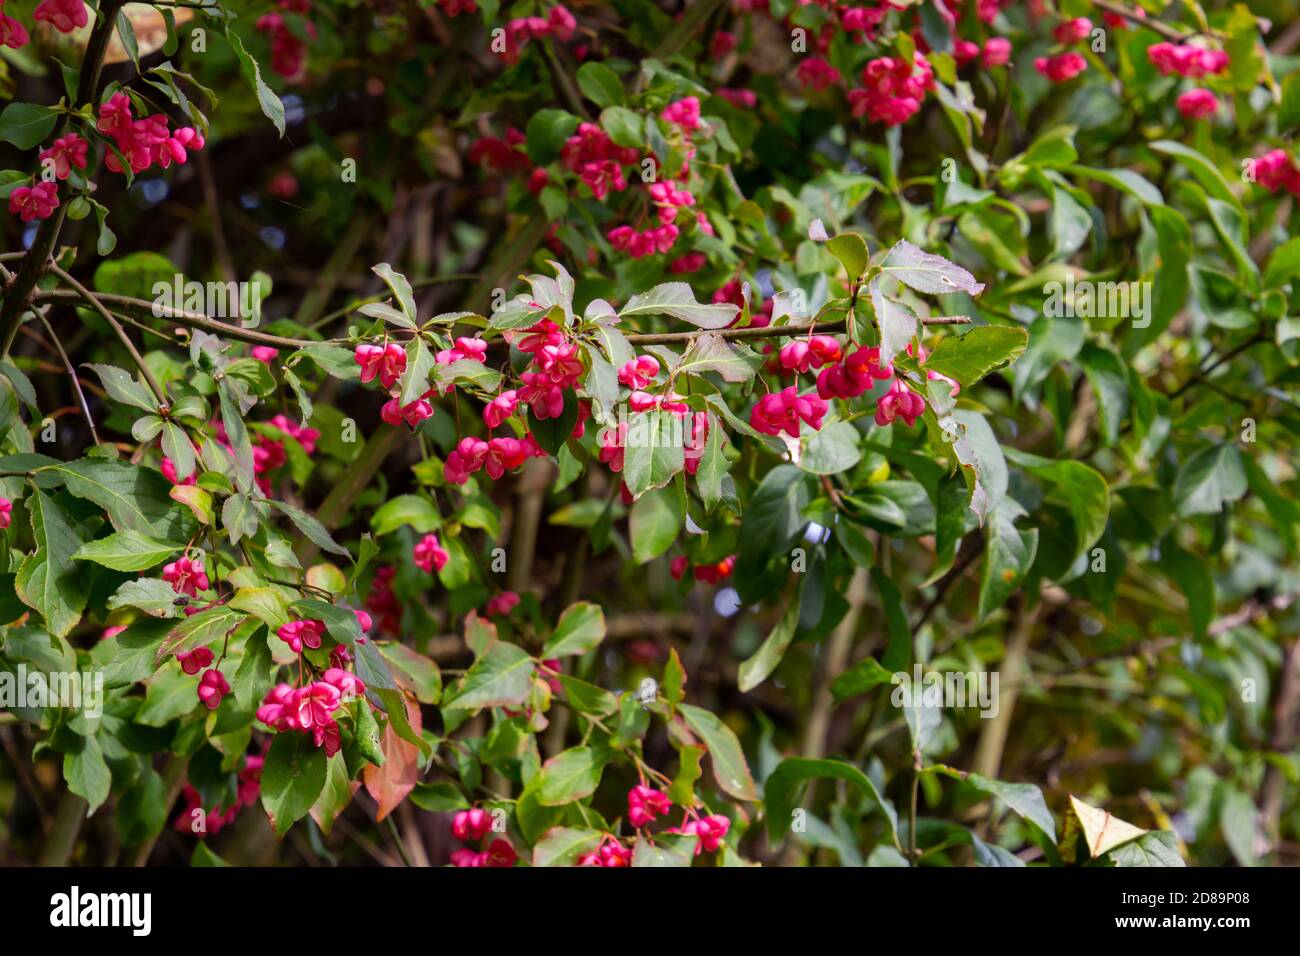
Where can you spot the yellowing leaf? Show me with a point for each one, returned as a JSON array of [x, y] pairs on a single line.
[[1101, 830]]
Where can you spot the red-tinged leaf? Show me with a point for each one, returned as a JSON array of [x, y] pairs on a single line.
[[393, 782]]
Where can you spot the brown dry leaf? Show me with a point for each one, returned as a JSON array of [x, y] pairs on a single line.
[[391, 783], [1101, 831]]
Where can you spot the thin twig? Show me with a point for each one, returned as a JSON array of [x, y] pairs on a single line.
[[107, 316], [72, 374]]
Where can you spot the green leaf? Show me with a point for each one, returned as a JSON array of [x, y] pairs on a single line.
[[968, 358], [926, 272], [335, 795], [439, 797], [571, 775], [785, 785], [563, 845], [668, 849], [124, 387], [835, 448], [1109, 380], [859, 679], [241, 516], [419, 363], [150, 595], [759, 666], [655, 522], [677, 299], [417, 511], [202, 856], [267, 604], [1125, 180], [126, 551], [1284, 263], [1083, 491], [1007, 557], [266, 97], [729, 767], [713, 466], [401, 289], [313, 529], [600, 84], [851, 250], [26, 125], [1156, 848], [87, 774], [580, 629], [1025, 799], [48, 581], [136, 498], [623, 126], [292, 779], [1209, 479], [176, 446], [712, 353], [770, 522], [588, 698], [546, 133], [1194, 579], [896, 322], [502, 676], [654, 450], [200, 630], [1207, 174]]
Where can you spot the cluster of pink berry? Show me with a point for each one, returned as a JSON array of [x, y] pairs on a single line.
[[644, 804], [782, 411], [310, 708], [500, 605], [708, 573], [597, 160], [1275, 170], [610, 852], [288, 50], [657, 239], [454, 8], [39, 201], [1193, 62], [813, 352], [996, 52], [504, 155], [1184, 59], [472, 826], [248, 788], [429, 554], [559, 23], [186, 575], [893, 89], [816, 73], [212, 685], [6, 512], [143, 141], [34, 202], [64, 15], [711, 830]]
